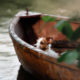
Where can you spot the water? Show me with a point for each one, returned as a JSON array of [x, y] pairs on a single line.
[[9, 65]]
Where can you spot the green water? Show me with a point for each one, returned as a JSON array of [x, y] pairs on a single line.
[[9, 64]]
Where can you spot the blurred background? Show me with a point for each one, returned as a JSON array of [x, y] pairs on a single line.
[[60, 7], [9, 65]]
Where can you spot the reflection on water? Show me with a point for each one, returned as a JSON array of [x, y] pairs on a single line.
[[24, 75], [9, 64]]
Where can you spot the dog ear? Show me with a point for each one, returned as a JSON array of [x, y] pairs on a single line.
[[49, 40]]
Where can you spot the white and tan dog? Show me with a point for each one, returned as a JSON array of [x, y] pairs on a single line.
[[45, 44]]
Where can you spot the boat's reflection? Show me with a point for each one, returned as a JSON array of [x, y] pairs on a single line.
[[24, 75]]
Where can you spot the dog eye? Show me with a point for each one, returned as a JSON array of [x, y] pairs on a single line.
[[41, 42]]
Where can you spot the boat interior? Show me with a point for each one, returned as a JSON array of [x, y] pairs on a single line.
[[28, 28]]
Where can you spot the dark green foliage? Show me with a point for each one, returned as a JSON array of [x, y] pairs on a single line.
[[76, 34], [69, 57], [64, 27], [78, 48], [48, 19]]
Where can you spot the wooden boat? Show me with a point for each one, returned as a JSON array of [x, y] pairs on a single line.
[[24, 32]]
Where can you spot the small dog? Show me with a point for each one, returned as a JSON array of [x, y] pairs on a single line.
[[45, 44]]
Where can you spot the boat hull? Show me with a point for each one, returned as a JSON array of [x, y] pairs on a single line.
[[44, 67]]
